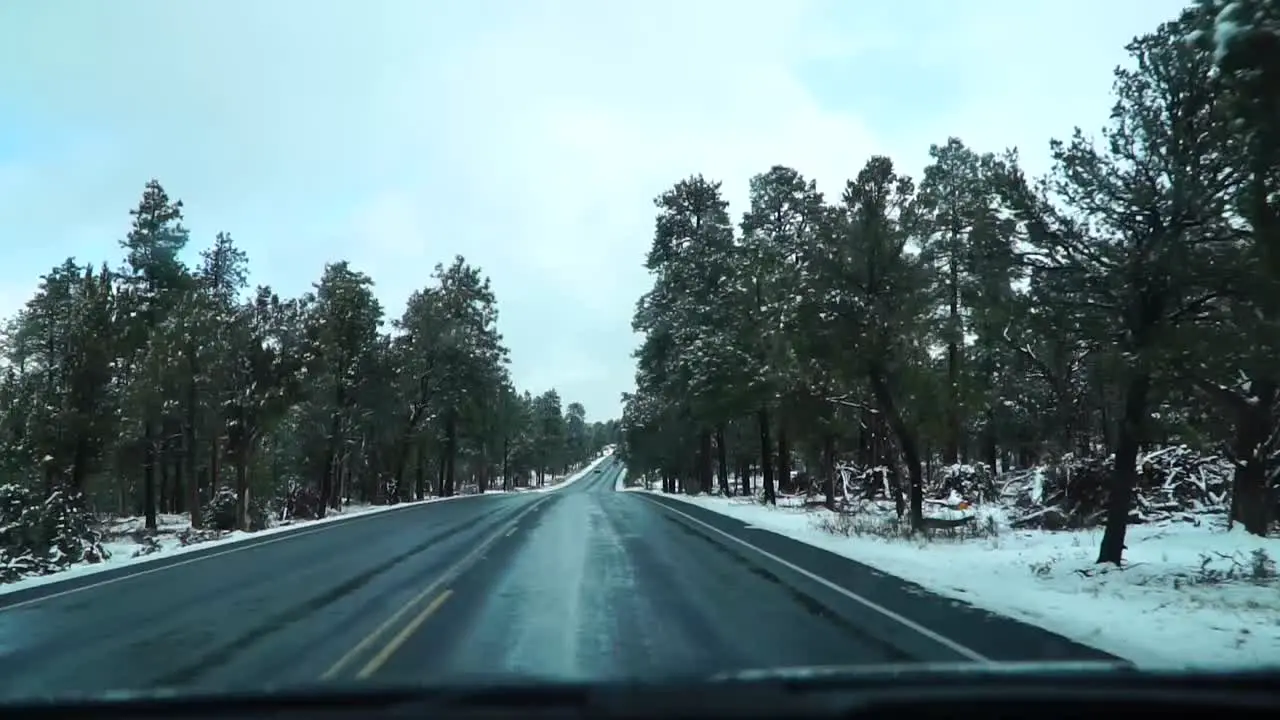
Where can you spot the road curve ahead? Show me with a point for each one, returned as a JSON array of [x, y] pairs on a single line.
[[579, 583]]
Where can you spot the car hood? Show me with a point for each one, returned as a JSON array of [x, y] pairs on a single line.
[[907, 670], [507, 689]]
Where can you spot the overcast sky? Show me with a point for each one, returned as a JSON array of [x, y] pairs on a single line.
[[530, 136]]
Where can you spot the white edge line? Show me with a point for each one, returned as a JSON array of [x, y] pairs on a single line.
[[934, 636], [235, 547]]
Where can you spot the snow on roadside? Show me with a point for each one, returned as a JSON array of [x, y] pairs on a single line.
[[621, 482], [1191, 593]]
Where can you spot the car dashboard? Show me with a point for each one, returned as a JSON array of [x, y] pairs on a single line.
[[886, 694]]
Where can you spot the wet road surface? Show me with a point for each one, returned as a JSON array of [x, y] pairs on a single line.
[[579, 583]]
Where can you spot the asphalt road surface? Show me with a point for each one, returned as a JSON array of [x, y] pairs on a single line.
[[578, 583]]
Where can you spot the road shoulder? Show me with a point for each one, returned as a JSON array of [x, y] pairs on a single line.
[[991, 636]]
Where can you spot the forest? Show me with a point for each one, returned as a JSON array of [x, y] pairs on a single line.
[[922, 334], [167, 385]]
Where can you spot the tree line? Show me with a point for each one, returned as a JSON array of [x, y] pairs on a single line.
[[1131, 297], [161, 387]]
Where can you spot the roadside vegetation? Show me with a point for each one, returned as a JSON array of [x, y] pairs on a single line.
[[165, 387], [1098, 347]]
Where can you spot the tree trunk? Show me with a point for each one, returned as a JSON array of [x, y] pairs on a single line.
[[784, 456], [866, 438], [506, 463], [149, 474], [1123, 474], [907, 443], [1251, 503], [242, 488], [955, 423], [189, 454], [80, 463], [766, 455], [420, 473], [330, 456], [829, 470], [991, 452], [450, 453], [722, 461], [704, 461], [215, 462]]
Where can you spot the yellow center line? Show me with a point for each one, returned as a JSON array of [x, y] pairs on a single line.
[[372, 637], [408, 630], [452, 572]]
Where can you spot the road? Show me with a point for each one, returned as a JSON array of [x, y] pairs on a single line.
[[578, 583]]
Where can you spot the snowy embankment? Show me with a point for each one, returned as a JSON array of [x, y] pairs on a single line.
[[126, 542], [1191, 592]]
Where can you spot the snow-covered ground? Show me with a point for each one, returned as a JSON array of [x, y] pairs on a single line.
[[128, 545], [1190, 594]]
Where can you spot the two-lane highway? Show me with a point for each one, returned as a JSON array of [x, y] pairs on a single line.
[[599, 584], [578, 583]]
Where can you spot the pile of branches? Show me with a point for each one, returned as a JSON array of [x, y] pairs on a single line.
[[1072, 492]]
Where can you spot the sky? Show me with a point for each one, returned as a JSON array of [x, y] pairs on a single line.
[[529, 136]]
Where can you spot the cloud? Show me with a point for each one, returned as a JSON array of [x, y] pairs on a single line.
[[528, 135]]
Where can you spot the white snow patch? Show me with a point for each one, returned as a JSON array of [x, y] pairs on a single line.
[[1189, 595]]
